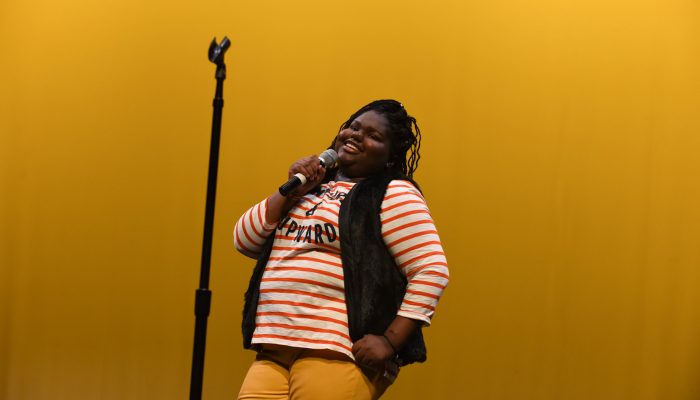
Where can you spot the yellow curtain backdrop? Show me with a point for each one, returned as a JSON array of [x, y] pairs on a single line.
[[560, 162]]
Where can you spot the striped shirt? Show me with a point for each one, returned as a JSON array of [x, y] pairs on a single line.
[[302, 297]]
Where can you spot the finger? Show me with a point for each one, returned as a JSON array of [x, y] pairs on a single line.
[[359, 345], [300, 163], [320, 173], [304, 170], [316, 178], [297, 167], [310, 161], [356, 347], [314, 166], [360, 356]]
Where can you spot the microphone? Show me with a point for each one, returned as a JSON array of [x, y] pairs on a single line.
[[327, 159]]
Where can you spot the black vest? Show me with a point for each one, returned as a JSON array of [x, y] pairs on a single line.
[[374, 286]]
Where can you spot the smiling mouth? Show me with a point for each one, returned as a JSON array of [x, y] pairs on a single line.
[[351, 147]]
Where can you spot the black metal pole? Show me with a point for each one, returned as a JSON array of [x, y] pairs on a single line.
[[202, 302]]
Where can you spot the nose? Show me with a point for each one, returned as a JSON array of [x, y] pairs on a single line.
[[356, 134]]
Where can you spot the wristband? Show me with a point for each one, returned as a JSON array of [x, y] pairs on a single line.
[[390, 344]]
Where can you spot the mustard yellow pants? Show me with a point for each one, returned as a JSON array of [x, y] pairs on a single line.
[[288, 373]]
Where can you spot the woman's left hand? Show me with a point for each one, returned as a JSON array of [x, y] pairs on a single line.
[[372, 351]]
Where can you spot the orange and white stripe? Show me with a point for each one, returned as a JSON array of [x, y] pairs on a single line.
[[410, 235], [302, 301]]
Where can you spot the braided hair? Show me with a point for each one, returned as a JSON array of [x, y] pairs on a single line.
[[403, 131]]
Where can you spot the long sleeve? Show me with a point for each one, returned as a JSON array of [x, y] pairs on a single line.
[[252, 230], [411, 237]]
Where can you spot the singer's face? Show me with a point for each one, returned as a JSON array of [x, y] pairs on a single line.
[[363, 148]]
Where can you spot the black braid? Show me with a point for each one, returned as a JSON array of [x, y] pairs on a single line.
[[403, 131]]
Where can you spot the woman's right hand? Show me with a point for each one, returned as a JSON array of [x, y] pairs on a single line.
[[311, 168], [279, 205]]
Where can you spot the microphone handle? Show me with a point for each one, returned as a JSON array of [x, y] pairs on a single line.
[[294, 182]]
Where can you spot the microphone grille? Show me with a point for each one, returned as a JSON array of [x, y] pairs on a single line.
[[328, 158]]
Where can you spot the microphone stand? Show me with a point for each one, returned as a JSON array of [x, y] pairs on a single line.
[[203, 294]]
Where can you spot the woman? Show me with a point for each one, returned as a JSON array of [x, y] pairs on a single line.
[[332, 324]]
